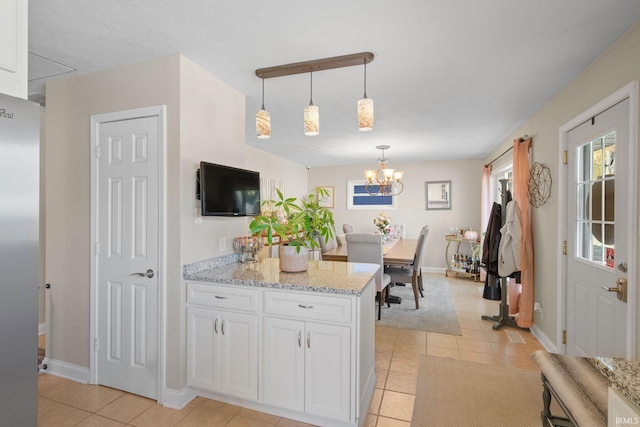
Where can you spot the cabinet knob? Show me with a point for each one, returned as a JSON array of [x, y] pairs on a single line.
[[308, 339]]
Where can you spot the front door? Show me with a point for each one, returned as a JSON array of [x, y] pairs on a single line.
[[597, 233], [127, 260]]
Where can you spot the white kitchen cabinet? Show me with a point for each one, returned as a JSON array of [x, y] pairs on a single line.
[[13, 48], [302, 355], [621, 411], [222, 351], [307, 364]]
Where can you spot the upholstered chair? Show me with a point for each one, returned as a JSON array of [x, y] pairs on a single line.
[[368, 248], [412, 274]]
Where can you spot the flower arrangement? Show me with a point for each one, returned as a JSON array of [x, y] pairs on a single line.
[[382, 221]]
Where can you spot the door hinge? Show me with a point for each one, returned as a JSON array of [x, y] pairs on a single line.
[[97, 152], [564, 247], [96, 344], [564, 337], [97, 248], [565, 157]]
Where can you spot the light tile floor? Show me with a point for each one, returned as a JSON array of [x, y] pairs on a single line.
[[66, 403]]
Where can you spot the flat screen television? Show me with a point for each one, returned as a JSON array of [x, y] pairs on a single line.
[[227, 191]]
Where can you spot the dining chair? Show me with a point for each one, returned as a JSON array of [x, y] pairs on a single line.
[[412, 274], [368, 248], [341, 239], [326, 245], [347, 228]]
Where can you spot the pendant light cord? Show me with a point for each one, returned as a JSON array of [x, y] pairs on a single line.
[[365, 79], [262, 92], [311, 93]]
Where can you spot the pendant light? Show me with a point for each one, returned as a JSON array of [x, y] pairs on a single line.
[[311, 115], [263, 120], [365, 107]]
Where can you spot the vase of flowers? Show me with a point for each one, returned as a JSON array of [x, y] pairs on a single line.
[[300, 222], [383, 221]]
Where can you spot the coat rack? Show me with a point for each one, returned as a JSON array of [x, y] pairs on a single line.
[[503, 318]]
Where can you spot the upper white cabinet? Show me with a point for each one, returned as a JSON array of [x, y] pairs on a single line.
[[14, 47]]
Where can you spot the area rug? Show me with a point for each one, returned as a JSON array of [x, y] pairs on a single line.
[[437, 312], [457, 393]]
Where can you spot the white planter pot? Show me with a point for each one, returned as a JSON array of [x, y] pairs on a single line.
[[292, 261]]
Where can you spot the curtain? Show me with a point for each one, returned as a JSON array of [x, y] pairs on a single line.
[[485, 206], [521, 178]]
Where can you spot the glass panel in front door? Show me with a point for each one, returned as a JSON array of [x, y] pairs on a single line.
[[595, 193]]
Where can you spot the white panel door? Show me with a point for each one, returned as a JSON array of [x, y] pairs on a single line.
[[328, 371], [284, 342], [203, 344], [127, 261], [597, 223], [239, 354]]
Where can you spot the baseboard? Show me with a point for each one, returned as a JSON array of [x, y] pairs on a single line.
[[67, 370], [543, 339], [178, 399], [42, 328], [438, 270]]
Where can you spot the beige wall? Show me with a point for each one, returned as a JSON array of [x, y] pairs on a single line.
[[273, 167], [70, 103], [205, 121], [613, 70], [465, 212]]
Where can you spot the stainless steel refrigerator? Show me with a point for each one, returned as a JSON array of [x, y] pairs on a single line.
[[19, 209]]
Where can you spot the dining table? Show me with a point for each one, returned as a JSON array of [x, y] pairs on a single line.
[[396, 252], [399, 252]]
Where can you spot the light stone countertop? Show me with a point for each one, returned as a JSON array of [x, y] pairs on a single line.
[[344, 278], [624, 375]]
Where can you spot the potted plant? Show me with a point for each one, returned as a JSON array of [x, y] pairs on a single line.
[[299, 223]]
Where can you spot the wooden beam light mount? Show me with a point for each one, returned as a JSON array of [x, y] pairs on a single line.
[[315, 65]]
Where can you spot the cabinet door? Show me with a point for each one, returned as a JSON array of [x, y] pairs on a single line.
[[328, 371], [203, 363], [239, 354], [284, 343]]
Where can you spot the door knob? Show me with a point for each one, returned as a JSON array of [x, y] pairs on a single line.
[[620, 289], [148, 274]]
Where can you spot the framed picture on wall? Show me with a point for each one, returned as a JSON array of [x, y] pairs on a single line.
[[328, 200], [359, 198], [438, 195]]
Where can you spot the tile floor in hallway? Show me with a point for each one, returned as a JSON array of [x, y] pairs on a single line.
[[67, 403]]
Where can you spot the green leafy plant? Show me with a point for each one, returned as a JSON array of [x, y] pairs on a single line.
[[299, 221]]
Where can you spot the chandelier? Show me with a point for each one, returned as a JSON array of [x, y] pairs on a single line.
[[384, 181]]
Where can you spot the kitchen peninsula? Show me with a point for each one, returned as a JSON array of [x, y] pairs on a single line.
[[297, 345]]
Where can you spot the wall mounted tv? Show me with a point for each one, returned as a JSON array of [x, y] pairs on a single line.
[[227, 191]]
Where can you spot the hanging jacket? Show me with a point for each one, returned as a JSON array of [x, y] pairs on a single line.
[[510, 250], [491, 243]]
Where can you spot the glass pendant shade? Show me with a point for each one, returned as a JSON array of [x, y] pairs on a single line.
[[263, 124], [365, 114], [311, 120]]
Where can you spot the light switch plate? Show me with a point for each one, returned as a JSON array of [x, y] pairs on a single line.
[[222, 245]]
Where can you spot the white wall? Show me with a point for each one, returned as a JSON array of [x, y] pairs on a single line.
[[618, 66], [465, 190]]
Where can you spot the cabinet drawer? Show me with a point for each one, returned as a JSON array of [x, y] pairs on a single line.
[[308, 306], [223, 297]]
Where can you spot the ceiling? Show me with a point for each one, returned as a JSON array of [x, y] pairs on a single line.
[[451, 78]]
